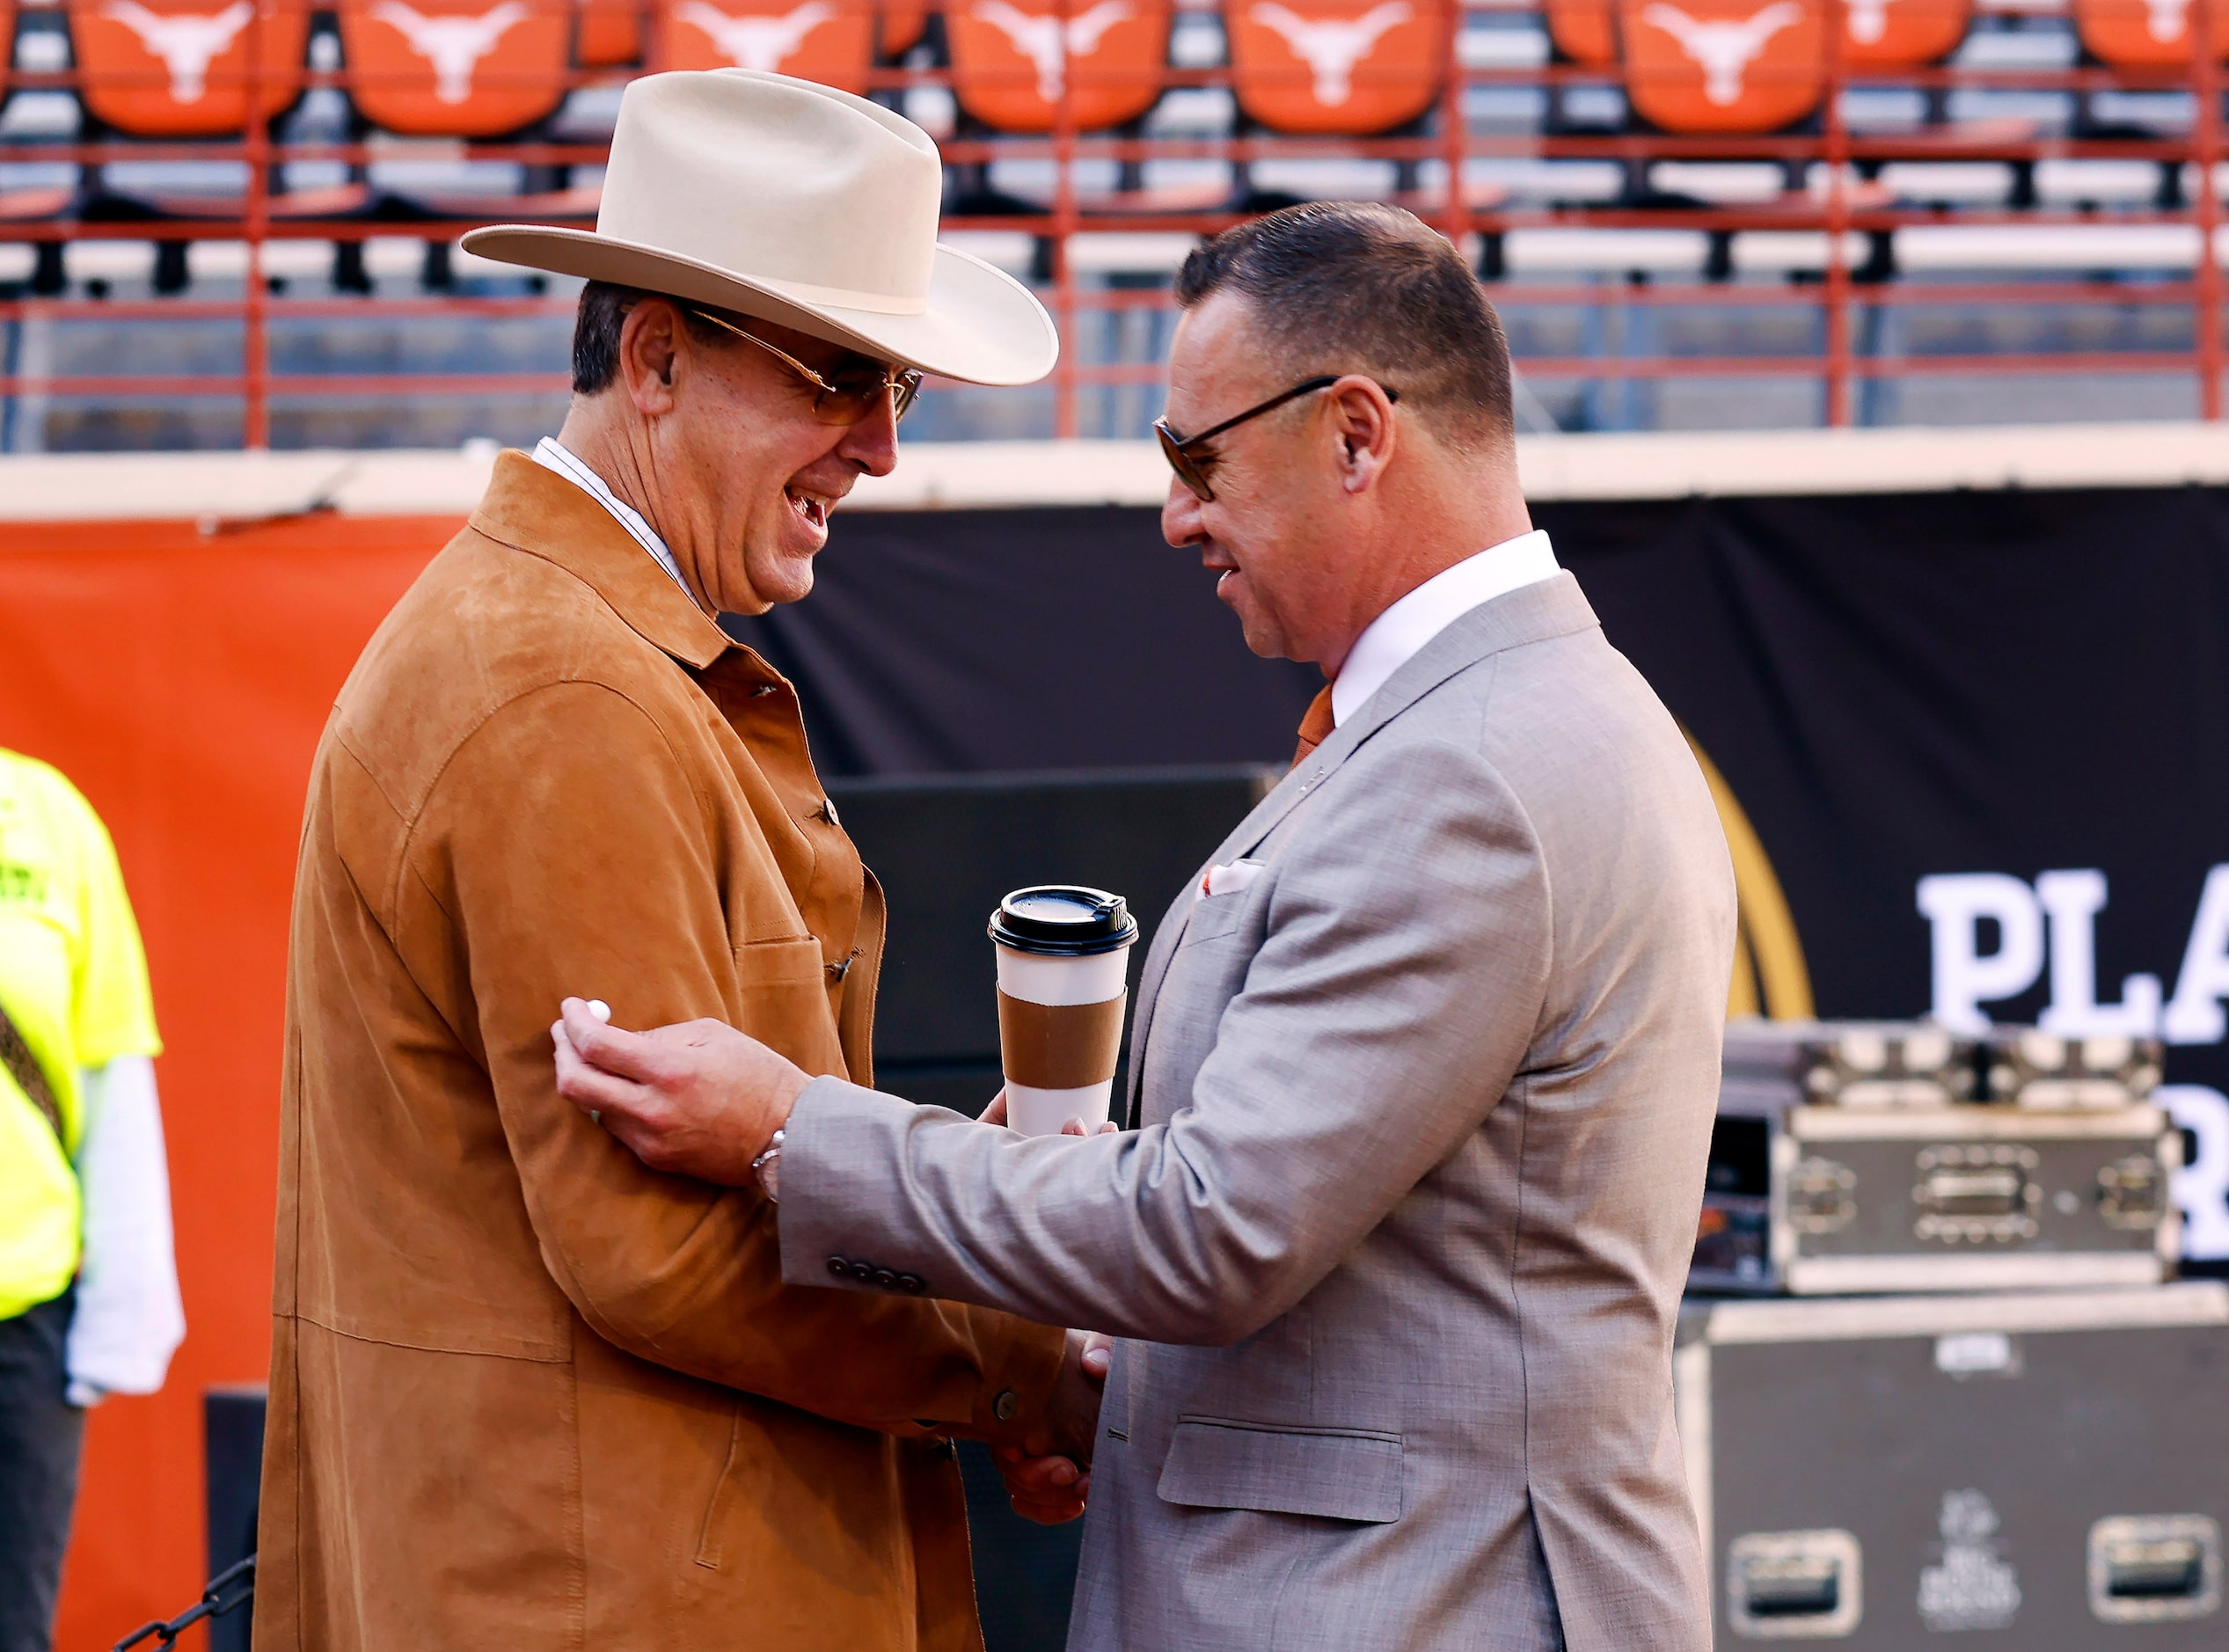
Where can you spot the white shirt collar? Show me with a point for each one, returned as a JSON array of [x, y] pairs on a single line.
[[553, 455], [1391, 639]]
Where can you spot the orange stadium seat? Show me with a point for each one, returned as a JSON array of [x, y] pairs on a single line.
[[831, 41], [611, 34], [2145, 33], [1723, 66], [166, 68], [455, 67], [1583, 31], [1347, 67], [1008, 64], [903, 23], [1894, 34]]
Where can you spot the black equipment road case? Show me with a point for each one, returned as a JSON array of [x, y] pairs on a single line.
[[1824, 1200], [1885, 1470]]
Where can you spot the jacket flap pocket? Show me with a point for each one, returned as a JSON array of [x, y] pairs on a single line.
[[783, 998], [781, 962], [1343, 1473]]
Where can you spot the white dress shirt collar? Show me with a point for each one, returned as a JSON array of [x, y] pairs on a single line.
[[1391, 639], [553, 455]]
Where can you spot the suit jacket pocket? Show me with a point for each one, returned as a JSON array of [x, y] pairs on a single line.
[[1213, 916], [1342, 1473]]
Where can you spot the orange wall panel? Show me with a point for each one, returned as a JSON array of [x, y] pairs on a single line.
[[181, 680]]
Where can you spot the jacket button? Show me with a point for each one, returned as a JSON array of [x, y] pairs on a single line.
[[840, 1267], [1006, 1406], [864, 1272], [884, 1279], [911, 1284]]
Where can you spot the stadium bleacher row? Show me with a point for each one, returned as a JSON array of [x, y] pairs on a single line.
[[171, 71], [1840, 145]]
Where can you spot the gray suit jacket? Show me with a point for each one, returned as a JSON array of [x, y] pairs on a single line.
[[1396, 1253]]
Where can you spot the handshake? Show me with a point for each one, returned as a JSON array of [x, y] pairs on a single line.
[[1049, 1476]]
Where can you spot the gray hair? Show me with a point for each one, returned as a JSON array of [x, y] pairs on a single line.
[[596, 332]]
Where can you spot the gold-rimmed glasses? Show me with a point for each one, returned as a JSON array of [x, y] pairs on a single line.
[[849, 396]]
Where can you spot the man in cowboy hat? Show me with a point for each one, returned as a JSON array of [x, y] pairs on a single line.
[[523, 1391]]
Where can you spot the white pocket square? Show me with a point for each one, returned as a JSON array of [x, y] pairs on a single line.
[[1231, 879]]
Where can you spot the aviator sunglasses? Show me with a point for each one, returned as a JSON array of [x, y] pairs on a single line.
[[849, 396], [1180, 450]]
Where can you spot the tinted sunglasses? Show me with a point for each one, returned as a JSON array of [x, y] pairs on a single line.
[[851, 393], [1179, 451]]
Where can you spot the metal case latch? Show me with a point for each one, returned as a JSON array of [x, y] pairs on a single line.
[[2132, 1192], [1821, 1196], [1977, 1194]]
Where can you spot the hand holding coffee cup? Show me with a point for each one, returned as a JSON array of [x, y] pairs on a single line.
[[995, 1114], [1063, 952]]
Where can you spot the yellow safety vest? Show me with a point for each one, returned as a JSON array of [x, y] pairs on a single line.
[[74, 979]]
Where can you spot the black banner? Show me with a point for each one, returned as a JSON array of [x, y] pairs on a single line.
[[1981, 738]]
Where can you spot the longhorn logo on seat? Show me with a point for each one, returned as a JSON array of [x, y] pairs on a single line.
[[1039, 38], [1869, 20], [1724, 48], [756, 42], [1332, 46], [454, 44], [187, 41], [2165, 18]]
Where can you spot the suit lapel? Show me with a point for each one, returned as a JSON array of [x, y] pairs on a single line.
[[1171, 928], [1533, 613], [1552, 608], [1165, 938]]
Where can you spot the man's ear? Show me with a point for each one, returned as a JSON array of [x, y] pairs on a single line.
[[1363, 428], [650, 351]]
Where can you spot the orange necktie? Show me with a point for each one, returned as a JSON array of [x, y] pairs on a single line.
[[1316, 726]]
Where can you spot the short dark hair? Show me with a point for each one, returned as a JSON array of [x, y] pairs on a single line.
[[596, 332], [1358, 286]]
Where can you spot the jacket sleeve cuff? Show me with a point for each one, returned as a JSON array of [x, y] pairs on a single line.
[[839, 1228], [1022, 1364], [826, 1213]]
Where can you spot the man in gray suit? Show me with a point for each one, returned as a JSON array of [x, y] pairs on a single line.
[[1423, 1087]]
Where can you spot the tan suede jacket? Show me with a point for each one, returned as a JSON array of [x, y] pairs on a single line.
[[523, 1391]]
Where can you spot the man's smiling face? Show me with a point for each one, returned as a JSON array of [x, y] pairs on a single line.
[[1265, 531], [758, 472]]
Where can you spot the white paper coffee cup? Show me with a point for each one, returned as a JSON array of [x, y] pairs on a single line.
[[1062, 955]]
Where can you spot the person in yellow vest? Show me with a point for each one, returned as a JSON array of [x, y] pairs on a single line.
[[89, 1302]]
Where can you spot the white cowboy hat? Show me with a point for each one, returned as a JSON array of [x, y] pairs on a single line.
[[799, 204]]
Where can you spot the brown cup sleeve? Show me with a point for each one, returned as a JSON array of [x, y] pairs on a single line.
[[1059, 1046]]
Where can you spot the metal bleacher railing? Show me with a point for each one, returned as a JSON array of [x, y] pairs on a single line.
[[1759, 192]]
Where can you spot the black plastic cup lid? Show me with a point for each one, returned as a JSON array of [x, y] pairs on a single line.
[[1056, 920]]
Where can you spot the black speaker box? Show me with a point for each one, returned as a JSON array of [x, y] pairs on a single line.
[[232, 1436]]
